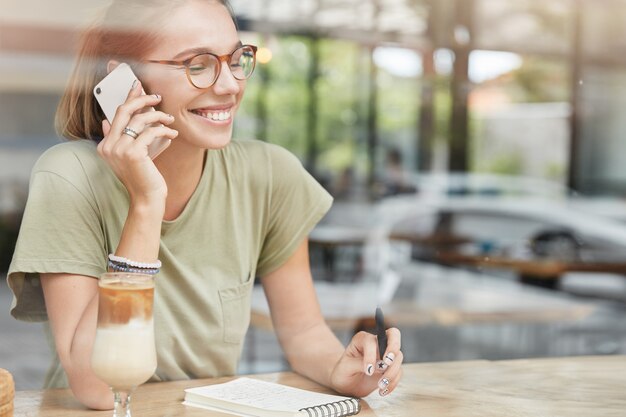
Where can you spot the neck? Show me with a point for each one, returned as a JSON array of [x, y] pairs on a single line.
[[181, 166]]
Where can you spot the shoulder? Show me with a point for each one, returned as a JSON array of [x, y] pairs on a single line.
[[68, 158], [74, 162], [262, 158]]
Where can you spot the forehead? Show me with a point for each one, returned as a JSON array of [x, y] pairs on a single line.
[[197, 24]]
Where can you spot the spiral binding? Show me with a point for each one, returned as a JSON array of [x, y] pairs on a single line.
[[343, 408]]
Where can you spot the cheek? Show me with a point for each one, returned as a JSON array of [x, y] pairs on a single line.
[[173, 102], [240, 96], [170, 87]]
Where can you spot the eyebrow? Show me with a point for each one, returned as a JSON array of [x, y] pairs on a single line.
[[199, 50]]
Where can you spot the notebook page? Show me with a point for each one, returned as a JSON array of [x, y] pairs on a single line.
[[267, 395]]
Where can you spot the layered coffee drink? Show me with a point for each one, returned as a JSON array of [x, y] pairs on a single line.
[[124, 354]]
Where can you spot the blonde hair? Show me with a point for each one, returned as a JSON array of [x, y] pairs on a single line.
[[127, 31]]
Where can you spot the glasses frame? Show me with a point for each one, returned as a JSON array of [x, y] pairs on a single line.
[[220, 58]]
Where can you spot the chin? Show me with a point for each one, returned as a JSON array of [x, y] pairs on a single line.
[[208, 139], [217, 141]]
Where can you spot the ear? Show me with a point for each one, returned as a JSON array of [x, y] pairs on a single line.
[[112, 64]]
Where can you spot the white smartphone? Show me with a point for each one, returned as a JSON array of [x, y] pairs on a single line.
[[112, 91]]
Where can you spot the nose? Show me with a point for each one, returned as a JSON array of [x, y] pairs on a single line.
[[226, 83]]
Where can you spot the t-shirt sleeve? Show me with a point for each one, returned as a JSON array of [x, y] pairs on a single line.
[[297, 203], [60, 233]]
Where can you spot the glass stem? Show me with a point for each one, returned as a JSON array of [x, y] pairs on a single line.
[[122, 404]]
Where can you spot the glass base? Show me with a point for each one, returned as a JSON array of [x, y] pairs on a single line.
[[122, 403]]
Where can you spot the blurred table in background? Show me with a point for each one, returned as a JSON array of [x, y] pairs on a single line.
[[435, 240], [538, 271], [444, 301], [331, 240]]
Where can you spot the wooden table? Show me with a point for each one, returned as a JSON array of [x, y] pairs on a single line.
[[568, 387]]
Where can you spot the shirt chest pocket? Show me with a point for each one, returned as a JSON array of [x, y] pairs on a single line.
[[235, 303]]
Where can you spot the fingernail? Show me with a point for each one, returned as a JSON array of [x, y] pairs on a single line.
[[170, 116], [157, 96], [135, 83], [383, 383], [369, 369], [384, 392], [389, 358], [381, 366]]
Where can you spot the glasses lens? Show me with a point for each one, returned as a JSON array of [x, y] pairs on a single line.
[[203, 70], [242, 62]]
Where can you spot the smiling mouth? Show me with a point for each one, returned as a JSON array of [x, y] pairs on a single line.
[[216, 116]]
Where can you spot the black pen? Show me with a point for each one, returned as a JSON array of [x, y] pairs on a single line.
[[381, 332]]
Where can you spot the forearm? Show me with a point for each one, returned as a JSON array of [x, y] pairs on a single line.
[[141, 235], [140, 242], [312, 352], [85, 385]]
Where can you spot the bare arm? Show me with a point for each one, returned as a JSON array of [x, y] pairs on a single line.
[[71, 300], [311, 347], [72, 306]]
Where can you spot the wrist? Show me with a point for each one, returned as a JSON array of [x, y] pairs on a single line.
[[147, 207]]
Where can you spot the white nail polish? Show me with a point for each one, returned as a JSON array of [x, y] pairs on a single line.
[[384, 392], [389, 358], [381, 366], [369, 369], [383, 383]]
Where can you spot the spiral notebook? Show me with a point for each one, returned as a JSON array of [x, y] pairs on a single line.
[[255, 398]]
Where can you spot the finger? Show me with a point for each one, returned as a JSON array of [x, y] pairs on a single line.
[[393, 346], [153, 133], [391, 377], [115, 140], [394, 340], [138, 124], [130, 107], [362, 352], [106, 127], [137, 149], [129, 148], [388, 383], [111, 145], [396, 364], [359, 340], [369, 355], [141, 120], [135, 90]]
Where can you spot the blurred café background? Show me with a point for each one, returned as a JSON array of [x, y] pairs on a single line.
[[474, 149]]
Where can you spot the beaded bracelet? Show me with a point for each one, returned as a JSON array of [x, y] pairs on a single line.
[[118, 267], [134, 264]]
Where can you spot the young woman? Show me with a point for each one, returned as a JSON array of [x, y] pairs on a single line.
[[215, 212]]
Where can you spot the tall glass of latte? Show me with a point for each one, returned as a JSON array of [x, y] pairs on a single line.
[[124, 354]]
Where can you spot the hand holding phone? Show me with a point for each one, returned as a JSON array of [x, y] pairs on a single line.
[[113, 90]]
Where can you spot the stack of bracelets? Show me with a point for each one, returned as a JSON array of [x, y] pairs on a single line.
[[120, 264]]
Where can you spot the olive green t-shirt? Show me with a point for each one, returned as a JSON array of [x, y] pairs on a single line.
[[253, 205]]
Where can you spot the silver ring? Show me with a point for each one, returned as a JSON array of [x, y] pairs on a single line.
[[130, 132]]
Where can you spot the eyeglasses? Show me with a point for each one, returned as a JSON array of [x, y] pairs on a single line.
[[204, 69]]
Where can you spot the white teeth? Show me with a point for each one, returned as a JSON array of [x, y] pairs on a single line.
[[217, 116]]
